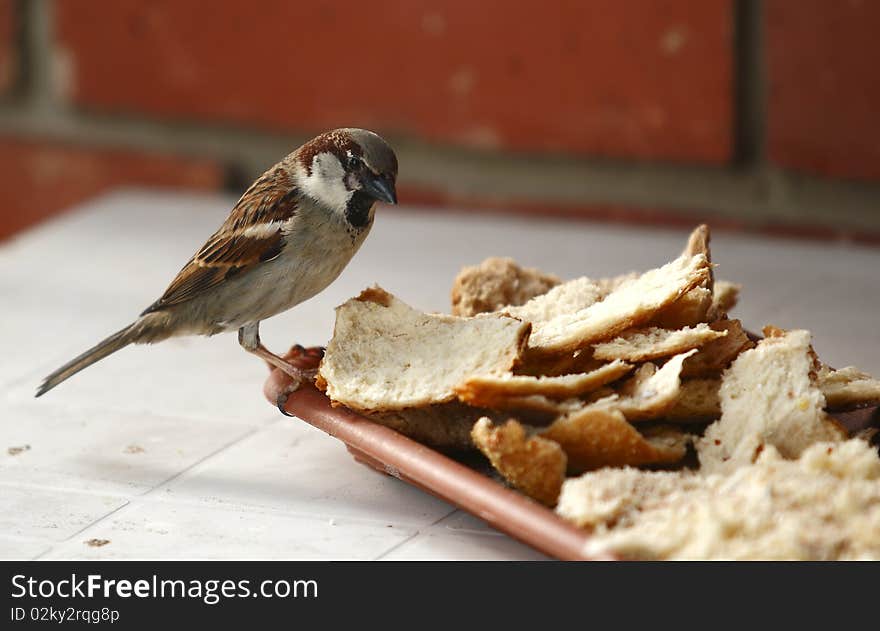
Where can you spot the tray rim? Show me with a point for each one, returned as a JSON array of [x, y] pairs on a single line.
[[430, 470]]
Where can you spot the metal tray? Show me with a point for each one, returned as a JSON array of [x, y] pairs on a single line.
[[459, 482]]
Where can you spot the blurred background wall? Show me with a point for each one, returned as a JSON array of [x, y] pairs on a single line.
[[746, 113]]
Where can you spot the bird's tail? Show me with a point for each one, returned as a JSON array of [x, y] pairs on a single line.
[[118, 340]]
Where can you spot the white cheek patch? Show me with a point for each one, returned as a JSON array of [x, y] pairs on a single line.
[[326, 182]]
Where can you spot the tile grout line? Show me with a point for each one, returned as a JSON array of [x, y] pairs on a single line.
[[418, 532]]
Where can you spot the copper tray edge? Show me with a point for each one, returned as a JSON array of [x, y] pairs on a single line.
[[386, 450]]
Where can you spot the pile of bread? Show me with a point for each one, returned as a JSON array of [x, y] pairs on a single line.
[[571, 389]]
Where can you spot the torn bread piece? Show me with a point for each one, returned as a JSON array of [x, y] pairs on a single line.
[[825, 505], [848, 388], [607, 285], [725, 295], [652, 392], [697, 401], [640, 345], [566, 298], [446, 425], [490, 388], [630, 305], [768, 397], [715, 355], [600, 436], [534, 465], [496, 283], [385, 355], [691, 308]]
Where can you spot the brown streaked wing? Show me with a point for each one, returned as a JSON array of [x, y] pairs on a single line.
[[231, 250]]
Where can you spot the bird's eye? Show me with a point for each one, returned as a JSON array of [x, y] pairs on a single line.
[[353, 163]]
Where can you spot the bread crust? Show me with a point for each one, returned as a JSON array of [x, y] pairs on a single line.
[[533, 464]]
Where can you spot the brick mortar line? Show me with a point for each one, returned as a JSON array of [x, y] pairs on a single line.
[[750, 87], [748, 195]]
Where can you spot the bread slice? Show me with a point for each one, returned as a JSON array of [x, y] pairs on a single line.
[[652, 392], [848, 388], [385, 355], [496, 283], [608, 285], [480, 389], [600, 436], [823, 506], [569, 297], [630, 305], [445, 425], [725, 295], [768, 397], [692, 307], [640, 345], [697, 401], [715, 355], [534, 465]]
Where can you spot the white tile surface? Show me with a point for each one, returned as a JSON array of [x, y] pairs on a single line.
[[437, 545], [296, 468], [21, 549], [103, 450], [50, 514], [163, 530], [221, 474]]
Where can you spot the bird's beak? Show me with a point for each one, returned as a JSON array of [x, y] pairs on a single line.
[[380, 187]]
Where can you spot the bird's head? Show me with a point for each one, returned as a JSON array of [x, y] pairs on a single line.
[[347, 167]]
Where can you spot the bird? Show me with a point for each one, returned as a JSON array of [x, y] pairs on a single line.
[[286, 239]]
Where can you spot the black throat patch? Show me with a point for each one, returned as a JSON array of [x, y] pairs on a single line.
[[358, 210]]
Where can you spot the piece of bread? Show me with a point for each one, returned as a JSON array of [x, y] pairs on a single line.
[[640, 345], [445, 425], [534, 465], [496, 283], [691, 309], [725, 295], [480, 389], [567, 298], [697, 401], [385, 355], [768, 397], [631, 305], [848, 388], [600, 436], [823, 506], [607, 285], [716, 355], [651, 392]]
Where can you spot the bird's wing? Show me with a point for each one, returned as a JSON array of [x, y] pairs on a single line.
[[250, 235]]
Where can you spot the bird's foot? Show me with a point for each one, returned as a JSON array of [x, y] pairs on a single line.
[[301, 365]]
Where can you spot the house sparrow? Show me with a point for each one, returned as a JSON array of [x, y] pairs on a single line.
[[288, 237]]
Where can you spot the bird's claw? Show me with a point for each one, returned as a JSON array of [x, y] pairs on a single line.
[[281, 402], [284, 394]]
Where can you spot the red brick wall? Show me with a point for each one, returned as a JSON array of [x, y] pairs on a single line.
[[823, 61], [636, 79]]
